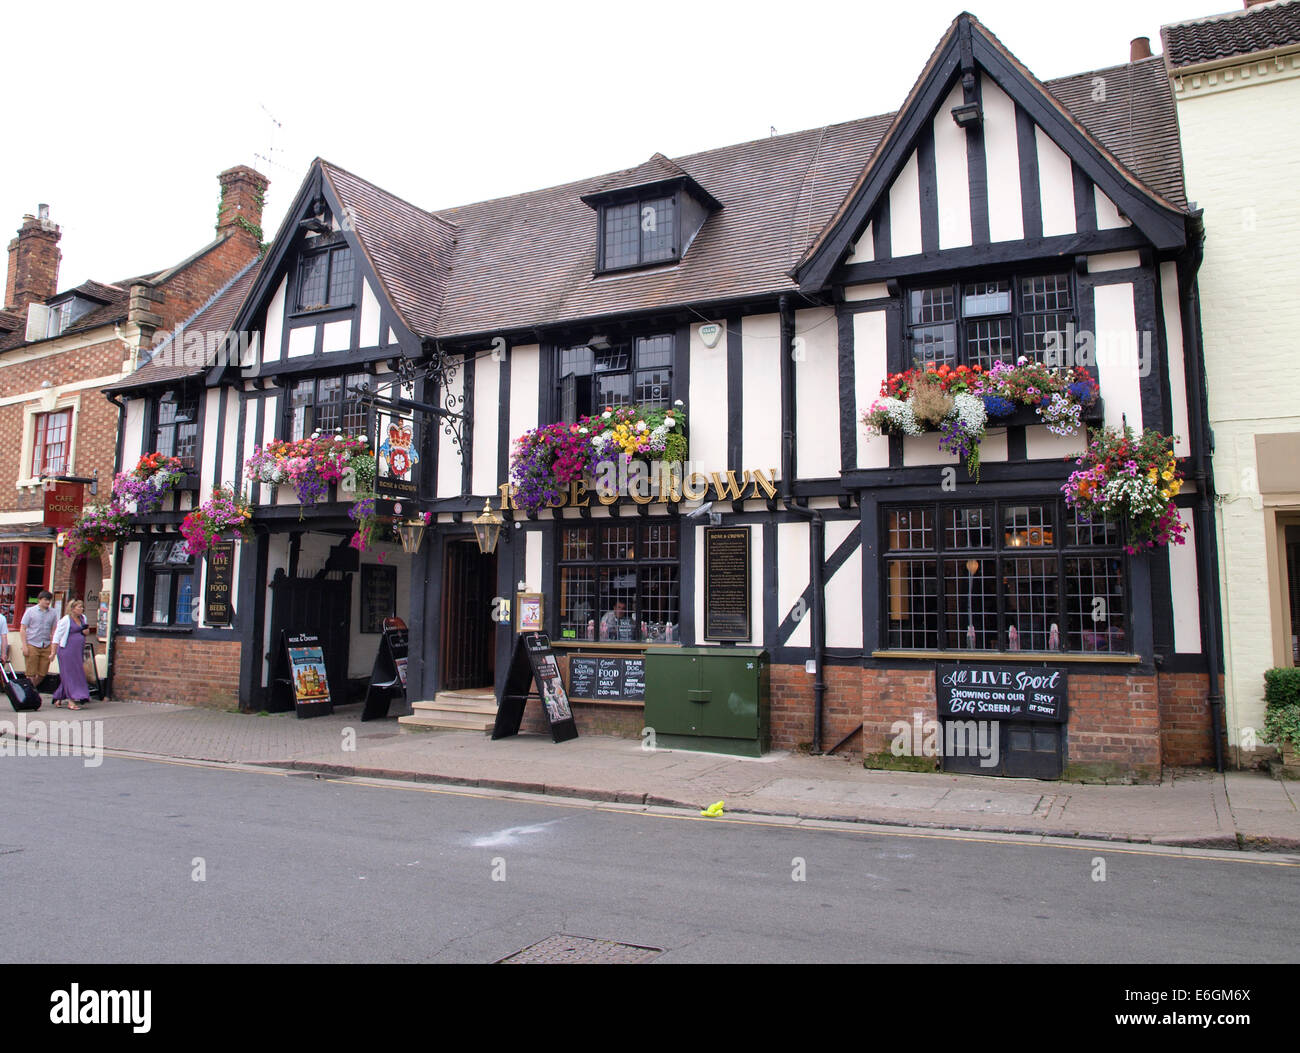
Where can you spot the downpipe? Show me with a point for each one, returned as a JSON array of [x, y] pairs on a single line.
[[816, 522]]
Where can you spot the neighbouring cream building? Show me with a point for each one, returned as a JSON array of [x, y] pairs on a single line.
[[1236, 82]]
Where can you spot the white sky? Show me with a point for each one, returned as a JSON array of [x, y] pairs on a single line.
[[120, 116]]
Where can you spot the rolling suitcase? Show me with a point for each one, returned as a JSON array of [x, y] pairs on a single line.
[[18, 686]]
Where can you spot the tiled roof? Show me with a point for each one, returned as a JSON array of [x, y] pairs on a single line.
[[1134, 120], [215, 318], [410, 249], [1259, 28]]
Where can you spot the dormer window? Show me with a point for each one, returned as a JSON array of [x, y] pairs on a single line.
[[648, 216], [63, 314], [325, 279], [639, 232]]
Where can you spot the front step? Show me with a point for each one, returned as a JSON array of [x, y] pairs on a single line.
[[453, 711]]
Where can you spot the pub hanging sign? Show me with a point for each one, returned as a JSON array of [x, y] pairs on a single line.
[[396, 455]]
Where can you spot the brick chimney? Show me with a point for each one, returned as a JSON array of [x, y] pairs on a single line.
[[1139, 48], [242, 192], [33, 261]]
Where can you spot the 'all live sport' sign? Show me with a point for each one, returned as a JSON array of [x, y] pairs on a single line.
[[1002, 692]]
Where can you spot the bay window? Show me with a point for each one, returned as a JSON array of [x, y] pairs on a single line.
[[1014, 575], [635, 372]]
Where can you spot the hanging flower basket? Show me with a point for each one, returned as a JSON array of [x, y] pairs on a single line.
[[311, 465], [545, 461], [1132, 479], [144, 486], [98, 527], [224, 515]]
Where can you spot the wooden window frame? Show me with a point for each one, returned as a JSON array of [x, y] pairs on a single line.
[[640, 200]]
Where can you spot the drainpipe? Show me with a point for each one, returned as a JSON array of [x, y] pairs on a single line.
[[1203, 474], [816, 523], [110, 631]]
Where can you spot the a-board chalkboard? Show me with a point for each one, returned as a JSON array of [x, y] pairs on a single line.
[[534, 662], [388, 676], [614, 676]]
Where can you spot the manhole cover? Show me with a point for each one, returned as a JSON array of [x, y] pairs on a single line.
[[562, 949]]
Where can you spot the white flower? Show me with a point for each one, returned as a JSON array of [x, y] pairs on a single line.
[[679, 403], [606, 415], [640, 425]]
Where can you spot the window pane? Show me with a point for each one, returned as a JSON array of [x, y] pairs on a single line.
[[990, 341], [1031, 603], [912, 603], [162, 594], [576, 543], [1043, 332], [578, 612], [614, 390], [968, 528], [355, 416], [660, 541], [933, 305], [971, 604], [1094, 598], [300, 401], [1100, 532], [622, 235], [184, 599], [981, 298], [311, 281], [329, 404], [577, 360], [1051, 293], [935, 343], [1027, 526], [654, 351], [342, 268], [611, 358], [659, 600], [618, 585], [911, 528], [618, 543], [657, 218], [653, 387]]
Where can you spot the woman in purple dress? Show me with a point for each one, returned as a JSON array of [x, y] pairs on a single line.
[[69, 638]]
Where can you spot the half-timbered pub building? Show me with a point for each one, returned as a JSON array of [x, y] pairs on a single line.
[[764, 292]]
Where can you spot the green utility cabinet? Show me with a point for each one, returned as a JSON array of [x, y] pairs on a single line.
[[715, 699]]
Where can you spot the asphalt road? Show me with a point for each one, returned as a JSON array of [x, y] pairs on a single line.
[[138, 861]]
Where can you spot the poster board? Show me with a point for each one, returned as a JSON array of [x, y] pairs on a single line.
[[1002, 692], [218, 583], [388, 676], [534, 663], [307, 680], [727, 602], [607, 677]]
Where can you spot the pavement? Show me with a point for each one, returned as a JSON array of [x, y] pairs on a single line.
[[1193, 808]]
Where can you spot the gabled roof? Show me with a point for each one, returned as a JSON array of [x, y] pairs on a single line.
[[211, 321], [1263, 27], [1157, 217], [526, 261]]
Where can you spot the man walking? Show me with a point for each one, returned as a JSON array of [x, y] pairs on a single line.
[[37, 630]]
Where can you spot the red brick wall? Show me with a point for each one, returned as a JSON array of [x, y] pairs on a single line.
[[1186, 729], [154, 669], [592, 718], [188, 290]]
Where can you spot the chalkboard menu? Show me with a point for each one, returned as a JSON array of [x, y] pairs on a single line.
[[388, 676], [218, 582], [726, 583], [378, 595], [1002, 692], [593, 676]]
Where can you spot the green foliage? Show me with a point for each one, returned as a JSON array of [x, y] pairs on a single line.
[[1282, 706]]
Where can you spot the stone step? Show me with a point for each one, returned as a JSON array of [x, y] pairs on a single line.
[[447, 721], [441, 703]]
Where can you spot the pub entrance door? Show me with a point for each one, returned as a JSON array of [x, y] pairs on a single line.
[[322, 606], [468, 637]]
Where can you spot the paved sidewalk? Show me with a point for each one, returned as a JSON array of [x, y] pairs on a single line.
[[1198, 808]]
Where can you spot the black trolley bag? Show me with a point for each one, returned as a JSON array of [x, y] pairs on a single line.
[[20, 689]]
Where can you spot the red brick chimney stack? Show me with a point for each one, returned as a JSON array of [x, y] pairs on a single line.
[[33, 261], [242, 192]]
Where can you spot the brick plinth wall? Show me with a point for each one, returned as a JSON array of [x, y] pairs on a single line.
[[1129, 723], [185, 671], [592, 718]]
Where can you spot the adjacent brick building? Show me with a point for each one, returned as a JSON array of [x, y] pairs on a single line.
[[58, 350]]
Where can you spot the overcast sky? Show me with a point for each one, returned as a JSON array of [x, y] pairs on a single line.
[[120, 116]]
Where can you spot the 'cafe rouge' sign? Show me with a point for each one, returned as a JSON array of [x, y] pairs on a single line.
[[1001, 692], [665, 484]]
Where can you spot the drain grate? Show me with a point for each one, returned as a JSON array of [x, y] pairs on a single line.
[[563, 949]]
